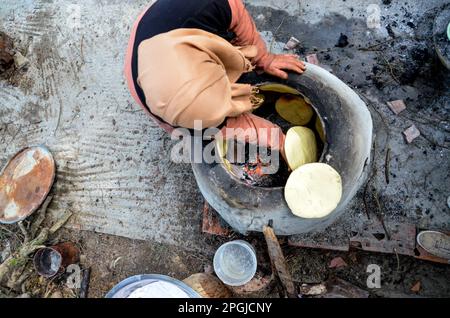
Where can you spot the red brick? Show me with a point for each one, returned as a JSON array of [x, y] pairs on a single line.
[[212, 223], [312, 58], [411, 133], [397, 106]]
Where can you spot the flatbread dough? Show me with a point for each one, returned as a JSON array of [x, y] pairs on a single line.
[[313, 190], [300, 147], [294, 109]]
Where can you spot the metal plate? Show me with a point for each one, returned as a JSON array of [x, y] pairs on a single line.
[[25, 183]]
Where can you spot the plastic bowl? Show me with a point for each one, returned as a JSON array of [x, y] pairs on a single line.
[[235, 263]]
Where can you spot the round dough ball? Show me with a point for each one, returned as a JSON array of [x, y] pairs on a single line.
[[294, 109], [313, 191], [300, 147]]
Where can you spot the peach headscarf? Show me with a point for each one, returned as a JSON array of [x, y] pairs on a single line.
[[190, 74]]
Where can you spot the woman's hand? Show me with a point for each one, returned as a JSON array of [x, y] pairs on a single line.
[[287, 62]]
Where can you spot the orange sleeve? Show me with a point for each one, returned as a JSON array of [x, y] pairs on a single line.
[[244, 27]]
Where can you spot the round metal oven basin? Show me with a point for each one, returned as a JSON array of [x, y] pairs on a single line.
[[348, 129]]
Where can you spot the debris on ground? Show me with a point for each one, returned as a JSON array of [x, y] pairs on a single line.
[[20, 61], [31, 174], [339, 288], [397, 106], [313, 290], [312, 58], [291, 44], [411, 133], [212, 223], [342, 41], [416, 288], [49, 261], [278, 262], [84, 287], [260, 286], [337, 262]]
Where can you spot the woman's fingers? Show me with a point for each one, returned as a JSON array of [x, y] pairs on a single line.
[[278, 72], [296, 61], [288, 62], [287, 65]]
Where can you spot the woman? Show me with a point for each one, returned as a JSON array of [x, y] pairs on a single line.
[[184, 59]]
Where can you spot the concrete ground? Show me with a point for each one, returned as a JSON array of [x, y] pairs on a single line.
[[114, 172]]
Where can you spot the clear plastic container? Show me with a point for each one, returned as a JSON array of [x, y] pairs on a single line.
[[235, 263], [165, 287]]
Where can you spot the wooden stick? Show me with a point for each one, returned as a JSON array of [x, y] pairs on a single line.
[[387, 162], [278, 261], [40, 216]]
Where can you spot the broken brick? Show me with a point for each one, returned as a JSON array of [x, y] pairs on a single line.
[[312, 58], [291, 44], [397, 106], [337, 262], [416, 287], [411, 133], [212, 223]]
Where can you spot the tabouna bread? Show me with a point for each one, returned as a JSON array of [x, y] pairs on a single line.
[[313, 190], [278, 88], [294, 109], [300, 147]]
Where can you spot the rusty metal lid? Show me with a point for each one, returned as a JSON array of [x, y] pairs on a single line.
[[25, 183]]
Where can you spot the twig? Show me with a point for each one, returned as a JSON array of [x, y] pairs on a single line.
[[390, 69], [275, 34], [40, 216], [60, 223], [26, 237], [387, 162], [370, 48], [3, 228], [398, 259], [17, 277], [381, 214], [366, 205], [369, 180]]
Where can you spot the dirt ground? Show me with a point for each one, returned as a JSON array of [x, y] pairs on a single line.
[[137, 212]]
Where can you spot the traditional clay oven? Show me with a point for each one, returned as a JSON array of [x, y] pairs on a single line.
[[348, 128]]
